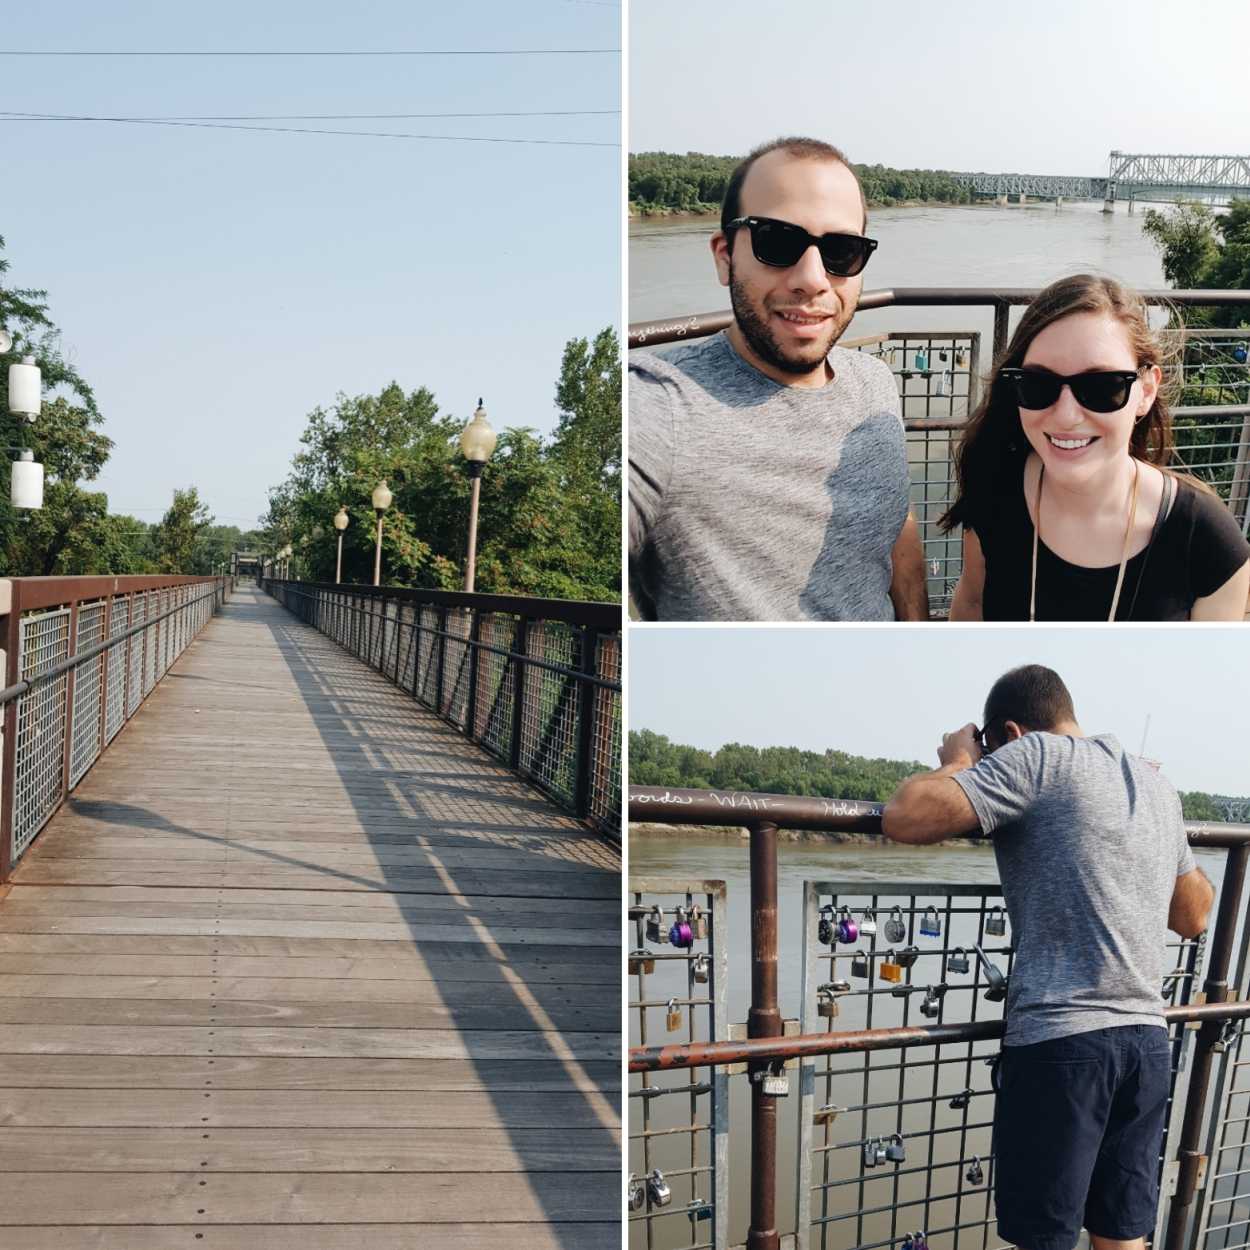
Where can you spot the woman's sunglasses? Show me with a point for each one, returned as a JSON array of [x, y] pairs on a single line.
[[1106, 391], [782, 243]]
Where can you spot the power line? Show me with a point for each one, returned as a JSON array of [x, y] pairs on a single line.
[[302, 130], [328, 52], [306, 117]]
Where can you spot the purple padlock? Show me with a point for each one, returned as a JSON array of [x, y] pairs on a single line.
[[681, 935], [848, 930]]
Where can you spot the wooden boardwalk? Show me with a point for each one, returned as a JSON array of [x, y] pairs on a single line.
[[298, 966]]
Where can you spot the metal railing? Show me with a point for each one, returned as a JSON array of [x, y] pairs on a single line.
[[81, 654], [1185, 1212], [938, 374], [536, 682]]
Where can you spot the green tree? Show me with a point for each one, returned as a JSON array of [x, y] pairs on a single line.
[[1186, 238], [178, 532]]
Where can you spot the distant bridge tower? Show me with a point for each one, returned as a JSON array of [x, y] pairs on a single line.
[[1108, 204], [1236, 810]]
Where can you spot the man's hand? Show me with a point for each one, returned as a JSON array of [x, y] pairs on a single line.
[[960, 748]]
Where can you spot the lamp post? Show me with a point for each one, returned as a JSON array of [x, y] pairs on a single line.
[[381, 501], [25, 403], [340, 524], [477, 441]]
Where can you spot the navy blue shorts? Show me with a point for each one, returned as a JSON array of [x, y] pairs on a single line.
[[1077, 1135]]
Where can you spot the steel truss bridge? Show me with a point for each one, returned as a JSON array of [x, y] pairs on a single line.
[[1130, 176]]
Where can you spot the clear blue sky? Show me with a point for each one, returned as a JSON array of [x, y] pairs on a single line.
[[893, 692], [213, 286], [978, 85]]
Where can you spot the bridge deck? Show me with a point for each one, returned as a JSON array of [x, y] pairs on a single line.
[[299, 966]]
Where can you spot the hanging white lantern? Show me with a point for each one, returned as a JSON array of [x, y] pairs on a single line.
[[25, 389], [26, 486]]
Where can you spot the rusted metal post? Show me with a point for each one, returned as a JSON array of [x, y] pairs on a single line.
[[763, 1020], [470, 564], [1215, 988]]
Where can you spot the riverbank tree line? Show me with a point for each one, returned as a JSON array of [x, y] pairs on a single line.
[[656, 761], [693, 182]]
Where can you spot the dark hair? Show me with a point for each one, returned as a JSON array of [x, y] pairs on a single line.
[[792, 145], [993, 448], [1032, 695]]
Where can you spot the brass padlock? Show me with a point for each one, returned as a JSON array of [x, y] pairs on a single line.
[[996, 923], [698, 922], [827, 1114], [957, 960], [859, 965], [641, 961], [889, 969], [701, 969], [655, 925], [826, 1004], [672, 1022]]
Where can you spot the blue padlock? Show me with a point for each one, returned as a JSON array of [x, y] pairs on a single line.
[[1239, 353], [848, 930], [930, 925]]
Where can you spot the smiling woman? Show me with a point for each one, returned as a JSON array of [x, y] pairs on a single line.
[[1069, 505]]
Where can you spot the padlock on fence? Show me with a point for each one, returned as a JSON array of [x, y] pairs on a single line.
[[889, 968], [655, 925], [957, 960], [930, 925], [681, 934], [920, 1241], [636, 1194], [672, 1021], [640, 961], [773, 1081], [961, 1100], [868, 925], [896, 1152], [824, 927], [908, 955], [697, 1210], [658, 1190], [701, 969], [859, 965], [996, 922], [870, 1152], [974, 1175], [894, 929], [698, 922], [996, 982], [848, 930], [932, 1004], [826, 1004]]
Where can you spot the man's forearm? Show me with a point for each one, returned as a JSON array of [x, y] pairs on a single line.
[[908, 589], [929, 807]]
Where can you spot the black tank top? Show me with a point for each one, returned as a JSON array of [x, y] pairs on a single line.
[[1197, 549]]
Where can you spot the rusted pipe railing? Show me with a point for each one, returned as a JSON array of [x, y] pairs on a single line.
[[763, 815]]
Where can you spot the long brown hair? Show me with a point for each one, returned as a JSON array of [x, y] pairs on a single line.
[[993, 443]]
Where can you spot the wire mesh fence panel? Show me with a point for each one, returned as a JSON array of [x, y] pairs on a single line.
[[151, 640], [407, 635], [39, 757], [454, 697], [604, 799], [389, 662], [115, 695], [549, 708], [427, 656], [496, 684], [88, 692], [134, 689], [678, 1190], [899, 1140]]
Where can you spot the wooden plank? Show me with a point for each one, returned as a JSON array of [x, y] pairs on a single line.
[[332, 1043], [88, 1071], [336, 1149], [313, 1198]]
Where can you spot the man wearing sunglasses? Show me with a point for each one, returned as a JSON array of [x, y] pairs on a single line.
[[768, 470], [1095, 867]]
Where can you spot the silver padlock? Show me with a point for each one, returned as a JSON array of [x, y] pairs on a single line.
[[701, 969], [698, 922], [930, 925], [996, 923], [658, 1191], [896, 1152], [881, 1151], [894, 928], [870, 1153], [868, 925], [774, 1082], [636, 1195], [957, 960], [932, 1004], [996, 988], [974, 1174], [655, 926]]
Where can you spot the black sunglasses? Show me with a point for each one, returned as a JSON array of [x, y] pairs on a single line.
[[1106, 391], [782, 244]]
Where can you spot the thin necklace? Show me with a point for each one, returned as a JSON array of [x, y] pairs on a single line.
[[1037, 529]]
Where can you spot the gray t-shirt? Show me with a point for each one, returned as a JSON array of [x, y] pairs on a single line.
[[1089, 842], [753, 501]]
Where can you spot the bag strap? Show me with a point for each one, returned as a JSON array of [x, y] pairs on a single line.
[[1165, 507]]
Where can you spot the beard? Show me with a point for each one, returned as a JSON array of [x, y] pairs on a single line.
[[753, 322]]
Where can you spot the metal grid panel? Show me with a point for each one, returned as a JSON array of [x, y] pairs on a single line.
[[88, 692], [150, 641], [114, 704], [549, 708], [427, 656], [407, 645], [937, 1099], [39, 758], [134, 696], [605, 740], [454, 696], [496, 682], [679, 1121]]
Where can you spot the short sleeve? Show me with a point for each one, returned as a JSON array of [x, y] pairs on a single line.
[[650, 451], [1005, 784], [1217, 548]]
